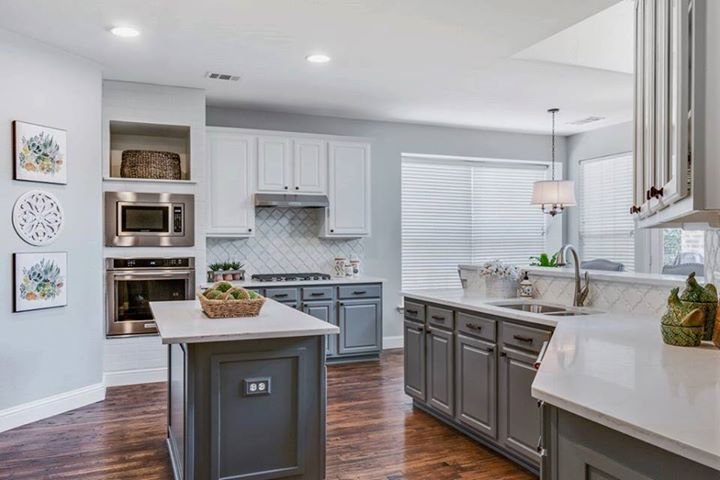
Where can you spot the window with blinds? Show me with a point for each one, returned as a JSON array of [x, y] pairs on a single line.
[[456, 212], [607, 231]]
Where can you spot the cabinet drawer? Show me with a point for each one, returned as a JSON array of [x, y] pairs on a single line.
[[526, 338], [282, 294], [440, 317], [359, 291], [476, 326], [415, 311], [317, 293]]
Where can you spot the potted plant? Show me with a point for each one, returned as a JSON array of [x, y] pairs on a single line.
[[544, 260], [225, 271], [501, 280]]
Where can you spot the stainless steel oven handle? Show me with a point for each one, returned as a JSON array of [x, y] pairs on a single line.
[[153, 273]]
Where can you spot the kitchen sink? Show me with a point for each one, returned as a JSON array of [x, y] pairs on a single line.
[[533, 307], [545, 309]]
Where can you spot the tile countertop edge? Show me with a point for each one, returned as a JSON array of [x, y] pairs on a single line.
[[648, 436]]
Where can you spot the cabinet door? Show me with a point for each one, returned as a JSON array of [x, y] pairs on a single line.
[[414, 353], [648, 91], [360, 324], [639, 107], [476, 384], [274, 164], [440, 368], [309, 166], [348, 190], [325, 311], [231, 170], [673, 18], [520, 427]]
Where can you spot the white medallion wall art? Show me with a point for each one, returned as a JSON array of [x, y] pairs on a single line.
[[40, 153], [40, 280], [38, 217]]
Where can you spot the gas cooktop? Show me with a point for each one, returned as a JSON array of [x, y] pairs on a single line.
[[289, 277]]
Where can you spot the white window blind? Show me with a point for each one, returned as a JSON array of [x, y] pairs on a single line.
[[606, 227], [456, 212]]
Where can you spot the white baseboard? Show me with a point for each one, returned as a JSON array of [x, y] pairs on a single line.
[[134, 377], [47, 407], [392, 342]]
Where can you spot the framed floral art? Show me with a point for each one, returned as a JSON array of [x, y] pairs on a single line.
[[40, 153], [40, 280]]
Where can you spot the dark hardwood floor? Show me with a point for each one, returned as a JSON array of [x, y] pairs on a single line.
[[373, 434]]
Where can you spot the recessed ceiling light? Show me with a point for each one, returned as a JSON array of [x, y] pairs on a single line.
[[125, 32], [318, 58]]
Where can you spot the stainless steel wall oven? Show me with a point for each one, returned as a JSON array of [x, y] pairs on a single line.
[[132, 283]]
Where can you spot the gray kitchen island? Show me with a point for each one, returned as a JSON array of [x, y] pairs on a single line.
[[246, 396]]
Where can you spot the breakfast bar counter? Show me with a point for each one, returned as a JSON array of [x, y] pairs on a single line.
[[247, 396]]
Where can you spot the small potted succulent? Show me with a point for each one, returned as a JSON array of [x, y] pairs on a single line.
[[225, 271]]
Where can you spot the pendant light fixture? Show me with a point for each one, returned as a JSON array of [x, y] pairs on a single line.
[[553, 196]]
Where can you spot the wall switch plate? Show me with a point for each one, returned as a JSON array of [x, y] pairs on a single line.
[[256, 386]]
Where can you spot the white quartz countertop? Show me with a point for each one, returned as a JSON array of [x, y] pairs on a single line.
[[185, 322], [306, 283], [615, 370]]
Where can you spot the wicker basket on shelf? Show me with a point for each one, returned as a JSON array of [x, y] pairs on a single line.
[[150, 164], [230, 308]]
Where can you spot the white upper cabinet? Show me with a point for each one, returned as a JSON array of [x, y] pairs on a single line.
[[309, 165], [274, 164], [291, 165], [677, 86], [232, 158], [348, 190]]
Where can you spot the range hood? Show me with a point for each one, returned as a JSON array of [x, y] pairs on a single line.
[[284, 200]]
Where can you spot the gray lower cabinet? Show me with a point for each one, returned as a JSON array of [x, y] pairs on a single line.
[[414, 350], [476, 385], [440, 371], [360, 323], [520, 428], [475, 373], [355, 309], [579, 449], [325, 311]]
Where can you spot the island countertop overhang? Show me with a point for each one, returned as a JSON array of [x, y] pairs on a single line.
[[185, 322]]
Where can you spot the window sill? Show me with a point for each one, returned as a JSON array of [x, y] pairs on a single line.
[[655, 279]]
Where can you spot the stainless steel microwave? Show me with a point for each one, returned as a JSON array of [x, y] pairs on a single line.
[[149, 219]]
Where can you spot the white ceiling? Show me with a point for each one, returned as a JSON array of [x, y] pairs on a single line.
[[427, 61]]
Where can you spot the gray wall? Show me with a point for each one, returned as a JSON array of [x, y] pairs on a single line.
[[597, 143], [47, 352], [390, 140]]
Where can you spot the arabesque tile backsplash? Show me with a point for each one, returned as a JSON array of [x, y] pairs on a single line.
[[286, 240]]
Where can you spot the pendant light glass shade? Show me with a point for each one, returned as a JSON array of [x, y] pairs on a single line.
[[553, 196]]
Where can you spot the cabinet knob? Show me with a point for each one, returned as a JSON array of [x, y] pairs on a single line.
[[297, 188], [249, 229], [286, 187], [503, 354], [332, 230], [634, 209], [656, 192]]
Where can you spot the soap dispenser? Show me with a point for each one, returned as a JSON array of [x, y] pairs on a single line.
[[526, 286]]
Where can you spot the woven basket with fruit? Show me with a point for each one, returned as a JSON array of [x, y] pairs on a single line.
[[222, 300]]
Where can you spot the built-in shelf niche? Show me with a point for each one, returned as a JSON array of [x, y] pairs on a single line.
[[148, 136]]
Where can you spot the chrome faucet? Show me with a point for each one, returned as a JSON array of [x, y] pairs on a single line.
[[581, 292]]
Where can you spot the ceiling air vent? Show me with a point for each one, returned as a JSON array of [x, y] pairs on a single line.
[[586, 120], [222, 76]]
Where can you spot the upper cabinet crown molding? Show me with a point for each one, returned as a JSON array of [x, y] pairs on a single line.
[[677, 89]]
